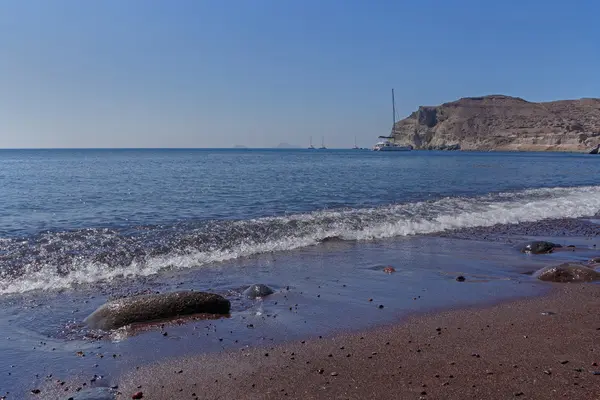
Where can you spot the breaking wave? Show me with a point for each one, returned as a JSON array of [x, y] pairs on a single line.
[[59, 260]]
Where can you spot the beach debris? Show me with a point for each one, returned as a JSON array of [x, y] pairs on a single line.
[[152, 307], [460, 278], [389, 270], [539, 247], [567, 273], [258, 290], [137, 395], [548, 313]]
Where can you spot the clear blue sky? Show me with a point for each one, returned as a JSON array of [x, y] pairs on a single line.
[[215, 73]]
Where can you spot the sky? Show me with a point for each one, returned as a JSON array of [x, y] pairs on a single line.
[[219, 73]]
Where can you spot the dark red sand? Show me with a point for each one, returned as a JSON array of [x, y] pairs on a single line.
[[541, 348]]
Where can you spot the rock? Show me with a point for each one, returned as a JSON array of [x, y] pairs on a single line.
[[138, 395], [596, 150], [567, 273], [539, 247], [595, 260], [460, 278], [498, 122], [258, 290], [99, 393], [152, 307]]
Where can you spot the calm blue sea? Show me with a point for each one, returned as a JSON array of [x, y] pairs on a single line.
[[72, 216]]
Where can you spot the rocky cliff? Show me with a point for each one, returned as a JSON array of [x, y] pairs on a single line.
[[503, 123]]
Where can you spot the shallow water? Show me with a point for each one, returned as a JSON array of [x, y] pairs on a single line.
[[320, 290]]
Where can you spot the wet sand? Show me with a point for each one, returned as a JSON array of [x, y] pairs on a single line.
[[540, 348]]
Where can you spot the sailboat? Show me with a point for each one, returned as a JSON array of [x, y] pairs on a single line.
[[322, 144], [388, 143], [355, 146], [311, 147]]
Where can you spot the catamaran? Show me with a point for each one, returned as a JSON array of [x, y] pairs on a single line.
[[388, 143]]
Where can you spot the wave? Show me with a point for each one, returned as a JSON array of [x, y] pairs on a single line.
[[60, 260]]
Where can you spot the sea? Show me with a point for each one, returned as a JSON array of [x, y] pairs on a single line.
[[81, 226]]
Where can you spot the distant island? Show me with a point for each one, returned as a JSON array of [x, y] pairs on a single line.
[[503, 123], [287, 146]]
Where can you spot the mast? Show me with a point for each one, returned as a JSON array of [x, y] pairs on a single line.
[[394, 112]]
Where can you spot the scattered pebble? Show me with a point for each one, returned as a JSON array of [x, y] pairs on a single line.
[[334, 374], [460, 278], [138, 395]]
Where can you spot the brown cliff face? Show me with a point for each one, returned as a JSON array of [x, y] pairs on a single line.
[[504, 123]]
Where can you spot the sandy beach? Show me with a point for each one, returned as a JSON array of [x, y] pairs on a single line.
[[541, 348]]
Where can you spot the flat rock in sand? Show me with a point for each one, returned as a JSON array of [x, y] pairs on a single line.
[[153, 307], [567, 273]]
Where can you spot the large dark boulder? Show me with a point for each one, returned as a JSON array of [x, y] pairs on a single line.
[[567, 273], [539, 247], [146, 308], [258, 290]]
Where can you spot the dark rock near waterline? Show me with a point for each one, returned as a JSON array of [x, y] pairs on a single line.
[[99, 393], [152, 307], [460, 278], [595, 260], [567, 273], [258, 290], [539, 247]]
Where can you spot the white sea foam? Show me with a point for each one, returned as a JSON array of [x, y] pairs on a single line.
[[353, 224]]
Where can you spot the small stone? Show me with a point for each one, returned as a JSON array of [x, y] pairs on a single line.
[[138, 395], [35, 391], [381, 306], [460, 278], [548, 372], [519, 394], [334, 374], [320, 371], [563, 362]]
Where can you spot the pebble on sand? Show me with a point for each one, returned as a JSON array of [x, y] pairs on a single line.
[[138, 395]]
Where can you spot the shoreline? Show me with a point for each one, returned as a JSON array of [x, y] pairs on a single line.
[[508, 350]]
